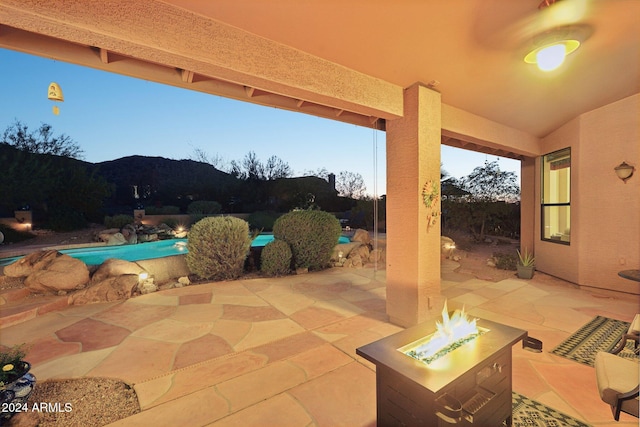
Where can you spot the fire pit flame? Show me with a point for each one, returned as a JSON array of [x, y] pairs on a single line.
[[450, 333]]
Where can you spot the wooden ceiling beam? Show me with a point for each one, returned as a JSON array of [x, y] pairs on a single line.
[[186, 76], [104, 56]]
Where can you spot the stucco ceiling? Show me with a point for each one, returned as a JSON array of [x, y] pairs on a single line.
[[471, 50]]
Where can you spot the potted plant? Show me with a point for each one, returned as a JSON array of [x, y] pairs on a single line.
[[526, 264], [16, 383]]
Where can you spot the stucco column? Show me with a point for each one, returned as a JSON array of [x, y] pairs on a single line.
[[413, 248]]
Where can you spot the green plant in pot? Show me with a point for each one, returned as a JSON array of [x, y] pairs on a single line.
[[526, 264], [16, 383]]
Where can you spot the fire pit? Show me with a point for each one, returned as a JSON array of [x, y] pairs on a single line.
[[467, 384]]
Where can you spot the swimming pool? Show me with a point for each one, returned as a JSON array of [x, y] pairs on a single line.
[[96, 255]]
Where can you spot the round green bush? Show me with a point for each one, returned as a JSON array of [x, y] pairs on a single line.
[[312, 235], [275, 259], [218, 247]]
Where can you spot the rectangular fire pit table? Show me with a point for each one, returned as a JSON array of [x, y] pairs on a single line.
[[470, 385]]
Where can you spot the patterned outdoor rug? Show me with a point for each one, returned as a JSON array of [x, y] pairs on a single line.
[[600, 334], [529, 413]]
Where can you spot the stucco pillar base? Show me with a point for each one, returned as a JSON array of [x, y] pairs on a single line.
[[413, 229], [432, 311]]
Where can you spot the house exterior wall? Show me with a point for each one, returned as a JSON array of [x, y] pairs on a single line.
[[605, 212], [609, 208], [553, 258]]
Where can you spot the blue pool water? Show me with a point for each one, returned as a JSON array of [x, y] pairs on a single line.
[[97, 255]]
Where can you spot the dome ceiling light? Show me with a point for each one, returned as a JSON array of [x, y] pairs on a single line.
[[550, 48]]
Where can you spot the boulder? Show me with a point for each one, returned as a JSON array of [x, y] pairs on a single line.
[[147, 238], [110, 289], [29, 264], [376, 255], [147, 287], [342, 250], [447, 246], [130, 234], [61, 275], [115, 267], [361, 236], [116, 239], [356, 261], [104, 235], [361, 251]]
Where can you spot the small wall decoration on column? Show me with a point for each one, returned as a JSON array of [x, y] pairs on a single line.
[[430, 198]]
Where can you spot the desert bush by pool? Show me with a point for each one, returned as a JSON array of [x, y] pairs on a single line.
[[218, 247], [117, 221], [311, 235], [275, 259]]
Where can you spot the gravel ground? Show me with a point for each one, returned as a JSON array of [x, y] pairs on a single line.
[[81, 402]]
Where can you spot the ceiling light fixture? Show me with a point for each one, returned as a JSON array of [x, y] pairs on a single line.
[[551, 56], [550, 48]]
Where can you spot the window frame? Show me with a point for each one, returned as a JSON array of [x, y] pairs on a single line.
[[544, 205]]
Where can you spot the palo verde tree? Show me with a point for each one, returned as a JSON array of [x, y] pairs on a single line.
[[492, 193]]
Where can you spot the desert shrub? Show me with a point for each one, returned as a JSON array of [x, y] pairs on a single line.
[[117, 221], [206, 207], [193, 218], [263, 220], [505, 261], [312, 235], [218, 247], [162, 210], [275, 259]]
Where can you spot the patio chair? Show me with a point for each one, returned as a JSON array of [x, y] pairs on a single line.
[[617, 377], [633, 333]]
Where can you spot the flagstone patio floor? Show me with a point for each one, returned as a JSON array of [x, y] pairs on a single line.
[[281, 351]]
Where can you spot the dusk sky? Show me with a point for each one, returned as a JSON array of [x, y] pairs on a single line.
[[112, 116]]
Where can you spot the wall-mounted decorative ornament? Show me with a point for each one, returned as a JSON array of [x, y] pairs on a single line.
[[55, 94], [430, 198]]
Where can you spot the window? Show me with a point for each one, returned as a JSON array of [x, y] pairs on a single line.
[[556, 196]]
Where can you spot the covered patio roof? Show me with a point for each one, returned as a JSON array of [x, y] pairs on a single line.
[[350, 61]]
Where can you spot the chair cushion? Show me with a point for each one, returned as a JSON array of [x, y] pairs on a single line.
[[614, 376]]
